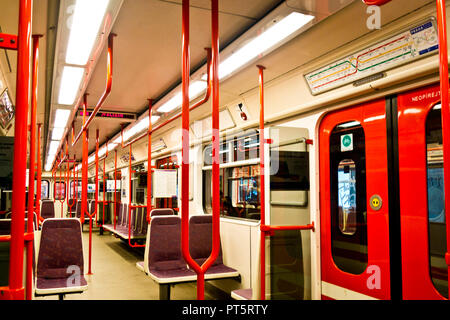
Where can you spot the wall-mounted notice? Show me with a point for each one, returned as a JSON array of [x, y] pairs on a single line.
[[165, 183], [404, 47], [110, 185]]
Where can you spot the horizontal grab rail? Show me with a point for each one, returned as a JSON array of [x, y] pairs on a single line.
[[268, 228]]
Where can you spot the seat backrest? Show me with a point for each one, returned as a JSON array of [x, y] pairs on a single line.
[[60, 249], [92, 207], [138, 220], [200, 239], [161, 212], [125, 215], [47, 209], [165, 244], [78, 209], [120, 214]]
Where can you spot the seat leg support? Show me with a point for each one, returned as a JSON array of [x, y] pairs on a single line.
[[164, 292]]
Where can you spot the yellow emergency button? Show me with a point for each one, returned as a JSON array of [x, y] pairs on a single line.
[[376, 202]]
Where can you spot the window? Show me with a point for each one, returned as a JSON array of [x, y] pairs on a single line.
[[348, 197], [75, 189], [436, 210], [139, 184], [59, 191], [235, 149], [45, 189], [239, 192]]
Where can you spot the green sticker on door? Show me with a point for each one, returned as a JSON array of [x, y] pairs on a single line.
[[347, 142]]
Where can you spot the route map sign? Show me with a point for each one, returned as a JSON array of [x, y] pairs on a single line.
[[400, 49]]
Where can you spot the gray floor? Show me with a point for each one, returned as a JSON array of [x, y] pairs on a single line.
[[115, 276]]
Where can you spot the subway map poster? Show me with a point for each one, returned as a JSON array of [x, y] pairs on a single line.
[[415, 43]]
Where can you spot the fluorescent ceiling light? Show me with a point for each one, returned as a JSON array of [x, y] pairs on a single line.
[[61, 117], [263, 42], [70, 82], [53, 148], [195, 89], [87, 18], [112, 146], [101, 152], [57, 133], [138, 127]]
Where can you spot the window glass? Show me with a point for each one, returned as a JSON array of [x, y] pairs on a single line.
[[239, 192], [348, 197], [75, 188], [246, 147], [45, 189], [59, 191], [436, 213], [292, 172]]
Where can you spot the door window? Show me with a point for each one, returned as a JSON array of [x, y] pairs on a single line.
[[437, 236], [348, 197]]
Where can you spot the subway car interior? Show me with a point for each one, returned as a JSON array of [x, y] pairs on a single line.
[[224, 150]]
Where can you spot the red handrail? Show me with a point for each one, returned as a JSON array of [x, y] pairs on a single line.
[[109, 76], [149, 160], [129, 201], [262, 181], [84, 162], [443, 71], [39, 175], [32, 172], [200, 270], [375, 2], [15, 288], [115, 188]]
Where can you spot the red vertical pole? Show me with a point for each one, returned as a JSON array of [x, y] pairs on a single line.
[[61, 199], [84, 167], [67, 193], [96, 171], [262, 181], [16, 290], [443, 70], [104, 187], [32, 172], [185, 135], [115, 187], [149, 157], [215, 133], [129, 193], [200, 270], [39, 175]]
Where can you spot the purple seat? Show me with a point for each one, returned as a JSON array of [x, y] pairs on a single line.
[[47, 209], [200, 247], [110, 226], [60, 264], [5, 226], [142, 230], [242, 294], [78, 209], [165, 261]]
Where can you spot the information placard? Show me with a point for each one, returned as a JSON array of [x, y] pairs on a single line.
[[404, 47], [165, 183]]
